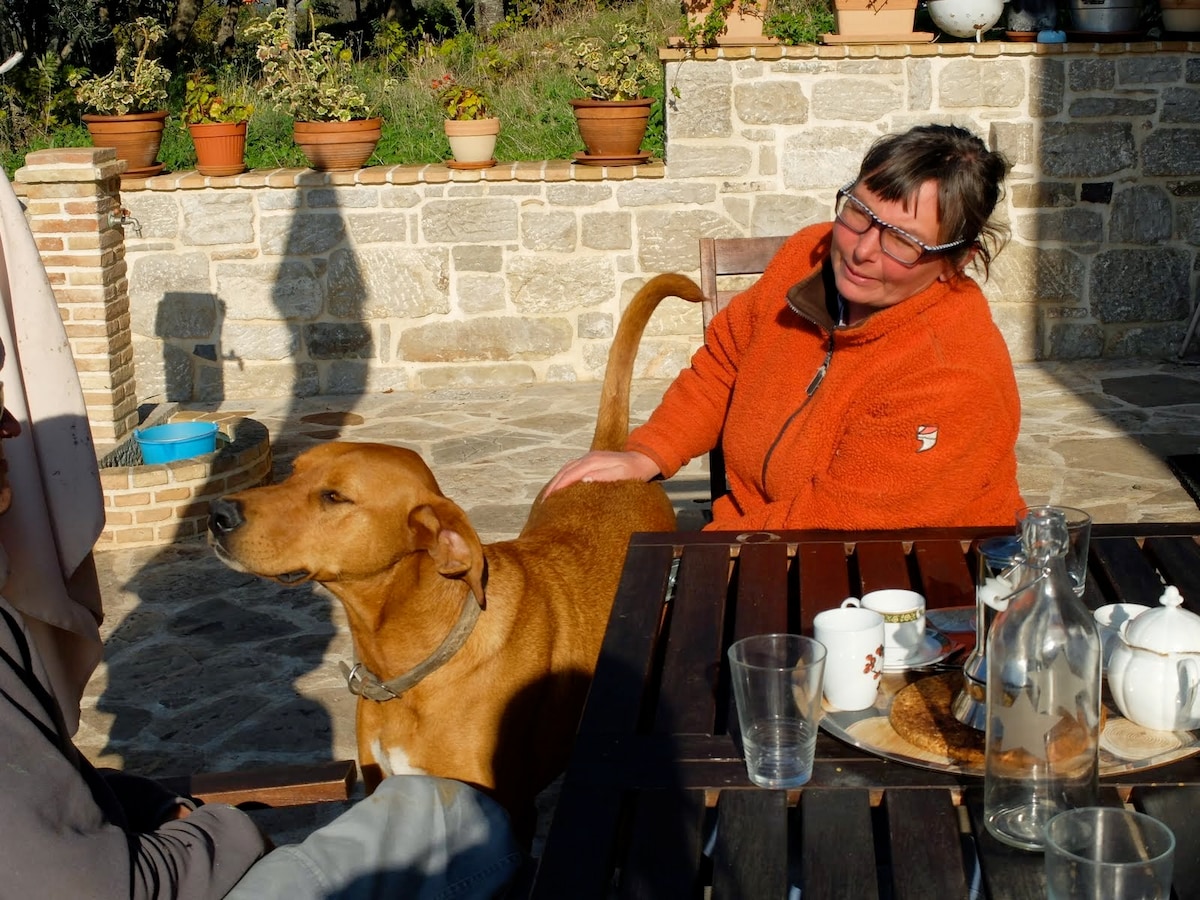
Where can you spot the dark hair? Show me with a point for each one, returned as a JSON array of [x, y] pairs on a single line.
[[969, 180]]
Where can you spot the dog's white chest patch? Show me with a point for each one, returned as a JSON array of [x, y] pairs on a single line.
[[393, 760]]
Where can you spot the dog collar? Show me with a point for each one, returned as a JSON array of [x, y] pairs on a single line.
[[363, 682]]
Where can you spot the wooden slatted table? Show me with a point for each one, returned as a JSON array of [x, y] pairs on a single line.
[[656, 802]]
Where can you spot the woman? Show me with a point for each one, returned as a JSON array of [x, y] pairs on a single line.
[[861, 382]]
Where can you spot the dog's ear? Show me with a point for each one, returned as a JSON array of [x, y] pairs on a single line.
[[442, 530]]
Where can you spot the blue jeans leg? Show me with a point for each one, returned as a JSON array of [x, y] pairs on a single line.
[[416, 838]]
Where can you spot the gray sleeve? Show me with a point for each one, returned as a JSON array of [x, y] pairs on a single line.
[[55, 840]]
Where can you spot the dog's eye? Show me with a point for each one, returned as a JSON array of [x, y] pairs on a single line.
[[333, 497]]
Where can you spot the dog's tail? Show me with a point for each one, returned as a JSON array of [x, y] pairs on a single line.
[[612, 423]]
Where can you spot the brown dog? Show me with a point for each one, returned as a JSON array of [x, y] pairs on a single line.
[[479, 657]]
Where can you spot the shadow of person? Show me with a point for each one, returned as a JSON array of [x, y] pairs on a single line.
[[204, 666]]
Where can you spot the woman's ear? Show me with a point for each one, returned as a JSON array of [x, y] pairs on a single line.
[[955, 267]]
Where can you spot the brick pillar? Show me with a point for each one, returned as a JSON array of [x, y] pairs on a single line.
[[73, 206]]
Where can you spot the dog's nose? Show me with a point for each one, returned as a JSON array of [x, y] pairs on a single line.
[[224, 516]]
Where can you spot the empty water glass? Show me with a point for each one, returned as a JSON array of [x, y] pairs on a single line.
[[777, 683], [1079, 533]]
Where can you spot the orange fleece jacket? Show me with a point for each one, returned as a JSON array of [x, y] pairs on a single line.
[[913, 424]]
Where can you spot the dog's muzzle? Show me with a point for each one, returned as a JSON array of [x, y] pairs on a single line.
[[224, 516]]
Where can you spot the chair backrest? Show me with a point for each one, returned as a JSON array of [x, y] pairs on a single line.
[[732, 256], [728, 257]]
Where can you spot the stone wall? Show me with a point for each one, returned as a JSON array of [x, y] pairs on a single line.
[[278, 282]]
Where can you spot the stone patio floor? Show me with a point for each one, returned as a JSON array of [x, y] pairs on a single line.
[[207, 669]]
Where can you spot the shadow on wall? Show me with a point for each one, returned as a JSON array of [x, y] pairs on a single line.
[[203, 670]]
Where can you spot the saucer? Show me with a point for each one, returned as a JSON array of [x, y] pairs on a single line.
[[935, 647]]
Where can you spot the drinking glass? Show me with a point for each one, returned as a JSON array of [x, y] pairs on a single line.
[[1079, 534], [1105, 853], [777, 682]]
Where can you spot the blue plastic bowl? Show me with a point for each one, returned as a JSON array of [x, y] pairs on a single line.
[[179, 440]]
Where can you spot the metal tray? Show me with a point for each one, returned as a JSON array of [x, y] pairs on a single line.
[[1124, 746]]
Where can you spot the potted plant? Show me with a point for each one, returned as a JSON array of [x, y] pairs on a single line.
[[332, 121], [875, 22], [128, 102], [217, 126], [615, 71], [728, 23], [470, 126]]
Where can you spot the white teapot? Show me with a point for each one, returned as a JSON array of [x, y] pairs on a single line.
[[1154, 672]]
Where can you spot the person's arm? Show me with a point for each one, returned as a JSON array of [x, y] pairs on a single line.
[[879, 478], [56, 840]]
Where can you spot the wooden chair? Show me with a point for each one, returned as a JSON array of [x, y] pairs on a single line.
[[725, 258], [271, 786]]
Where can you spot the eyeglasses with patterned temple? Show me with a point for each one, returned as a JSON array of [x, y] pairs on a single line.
[[895, 242]]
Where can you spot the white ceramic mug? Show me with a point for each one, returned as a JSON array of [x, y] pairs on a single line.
[[903, 623], [853, 639]]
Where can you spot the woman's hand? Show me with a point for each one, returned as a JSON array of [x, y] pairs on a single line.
[[604, 465]]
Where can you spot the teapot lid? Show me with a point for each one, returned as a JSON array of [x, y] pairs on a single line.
[[1168, 628]]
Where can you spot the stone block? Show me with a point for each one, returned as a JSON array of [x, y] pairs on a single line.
[[704, 108], [477, 293], [244, 341], [595, 325], [577, 194], [1047, 87], [964, 83], [1172, 152], [824, 157], [772, 102], [467, 220], [1111, 107], [659, 193], [301, 233], [496, 339], [477, 258], [702, 160], [1140, 285], [381, 282], [1145, 341], [377, 227], [1146, 69], [339, 340], [606, 230], [1140, 215], [920, 84], [255, 381], [777, 214], [553, 230], [670, 241], [262, 290], [475, 376], [1091, 74], [341, 198], [543, 284], [855, 99], [1086, 149], [1071, 341], [181, 275], [1180, 106], [217, 217], [1071, 226]]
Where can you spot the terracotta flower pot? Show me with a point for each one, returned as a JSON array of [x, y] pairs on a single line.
[[612, 130], [135, 136], [870, 18], [220, 147], [743, 24], [337, 146], [472, 142]]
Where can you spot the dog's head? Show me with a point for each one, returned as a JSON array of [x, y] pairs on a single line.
[[348, 512]]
